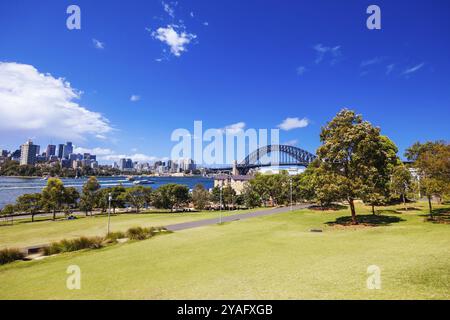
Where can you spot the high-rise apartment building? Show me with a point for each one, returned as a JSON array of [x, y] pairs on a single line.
[[28, 153]]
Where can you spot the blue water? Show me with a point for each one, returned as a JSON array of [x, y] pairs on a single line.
[[11, 188]]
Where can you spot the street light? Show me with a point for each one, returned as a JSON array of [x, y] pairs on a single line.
[[290, 183], [109, 210], [220, 203]]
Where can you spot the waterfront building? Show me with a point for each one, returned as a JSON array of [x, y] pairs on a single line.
[[236, 182], [28, 152], [15, 156], [126, 165]]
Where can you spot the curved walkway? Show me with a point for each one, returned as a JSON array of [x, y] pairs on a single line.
[[236, 217]]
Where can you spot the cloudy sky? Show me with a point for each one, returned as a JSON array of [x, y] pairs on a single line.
[[137, 71]]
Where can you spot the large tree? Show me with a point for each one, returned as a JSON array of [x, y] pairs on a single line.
[[200, 197], [30, 203], [401, 182], [432, 159], [170, 196], [355, 155], [89, 196], [137, 196], [53, 195]]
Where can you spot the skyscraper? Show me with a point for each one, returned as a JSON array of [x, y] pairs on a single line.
[[28, 153], [60, 151], [51, 150], [68, 149]]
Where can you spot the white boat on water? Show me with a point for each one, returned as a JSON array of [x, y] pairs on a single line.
[[139, 182]]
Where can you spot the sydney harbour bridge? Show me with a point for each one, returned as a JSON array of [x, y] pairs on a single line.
[[271, 155]]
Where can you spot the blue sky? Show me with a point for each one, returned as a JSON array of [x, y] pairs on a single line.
[[252, 62]]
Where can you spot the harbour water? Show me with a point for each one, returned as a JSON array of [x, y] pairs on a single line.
[[11, 188]]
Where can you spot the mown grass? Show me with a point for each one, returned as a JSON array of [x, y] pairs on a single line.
[[25, 234], [271, 257]]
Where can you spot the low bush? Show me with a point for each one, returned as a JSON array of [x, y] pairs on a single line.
[[113, 236], [74, 245], [139, 233], [10, 255]]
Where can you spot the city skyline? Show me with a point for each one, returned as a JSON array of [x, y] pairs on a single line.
[[130, 87]]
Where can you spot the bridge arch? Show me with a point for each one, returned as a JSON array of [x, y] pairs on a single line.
[[287, 155]]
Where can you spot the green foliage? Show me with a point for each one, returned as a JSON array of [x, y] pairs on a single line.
[[89, 196], [273, 188], [53, 196], [8, 210], [354, 160], [30, 203], [113, 236], [10, 255], [433, 164], [251, 197], [74, 245], [170, 196], [139, 233], [138, 197], [200, 197]]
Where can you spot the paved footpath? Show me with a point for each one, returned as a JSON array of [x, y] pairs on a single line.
[[235, 217]]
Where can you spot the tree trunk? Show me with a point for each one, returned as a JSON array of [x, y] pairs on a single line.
[[32, 217], [373, 209], [352, 208], [430, 207], [404, 202], [54, 214]]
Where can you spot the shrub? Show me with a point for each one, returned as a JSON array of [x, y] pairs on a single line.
[[113, 236], [10, 255], [139, 233], [74, 245]]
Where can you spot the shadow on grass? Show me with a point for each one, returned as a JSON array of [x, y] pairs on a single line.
[[441, 215], [367, 220], [333, 206]]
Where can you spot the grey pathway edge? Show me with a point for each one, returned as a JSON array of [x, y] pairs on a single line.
[[236, 217]]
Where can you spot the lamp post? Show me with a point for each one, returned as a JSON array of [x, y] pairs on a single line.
[[220, 204], [109, 211], [290, 183]]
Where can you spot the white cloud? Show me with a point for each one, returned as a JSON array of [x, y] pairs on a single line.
[[139, 157], [206, 23], [98, 44], [413, 69], [301, 70], [33, 103], [108, 155], [168, 9], [390, 68], [293, 123], [373, 61], [234, 128], [323, 51], [96, 151], [135, 98], [176, 39]]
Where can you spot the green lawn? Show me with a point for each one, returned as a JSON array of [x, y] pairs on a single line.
[[271, 257], [25, 233]]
